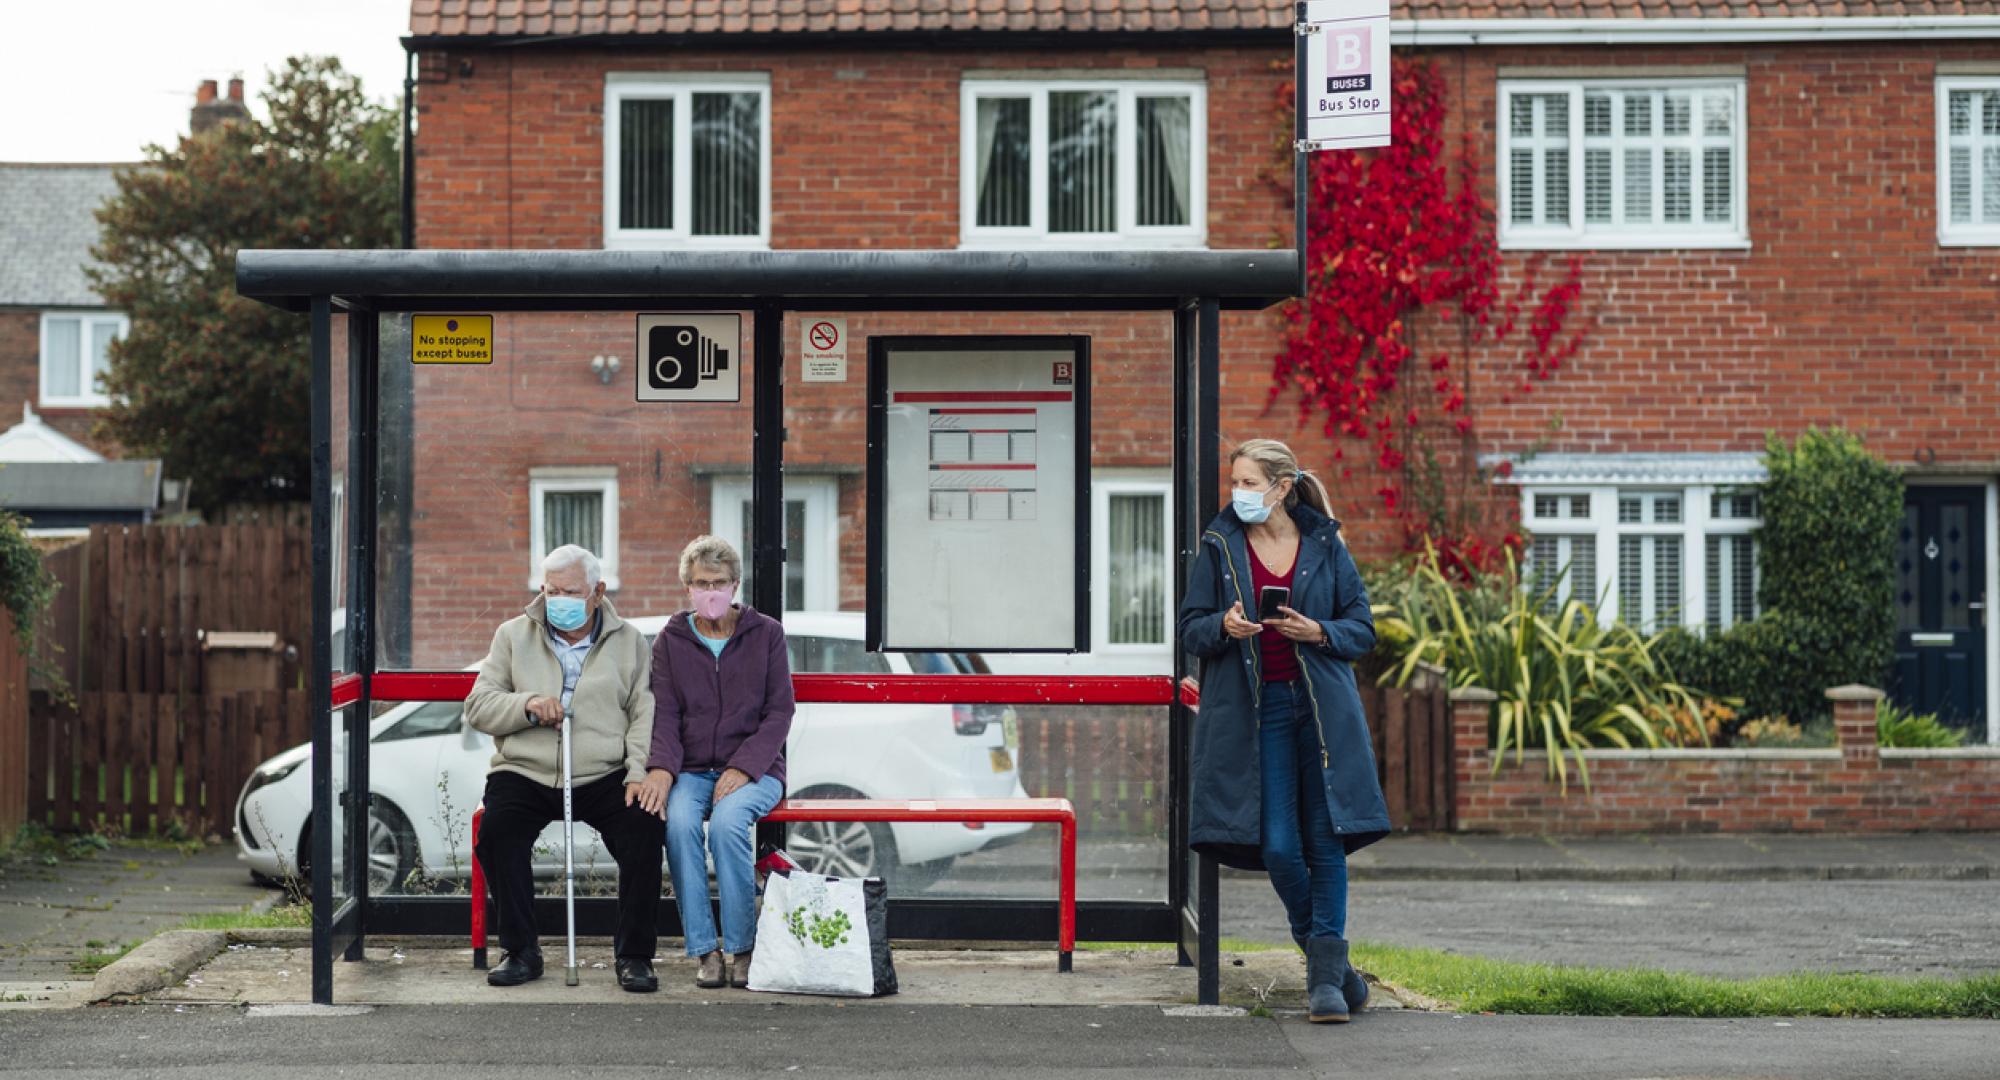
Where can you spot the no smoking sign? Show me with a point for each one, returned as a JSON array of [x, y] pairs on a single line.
[[823, 353]]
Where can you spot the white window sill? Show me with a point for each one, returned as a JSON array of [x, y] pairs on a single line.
[[610, 583], [74, 403], [1614, 242], [1081, 242], [1970, 238], [687, 243]]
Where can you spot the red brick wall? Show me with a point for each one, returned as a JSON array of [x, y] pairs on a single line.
[[1857, 788], [21, 376], [1844, 310]]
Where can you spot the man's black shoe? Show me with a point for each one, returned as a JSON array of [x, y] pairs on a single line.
[[636, 976], [516, 968]]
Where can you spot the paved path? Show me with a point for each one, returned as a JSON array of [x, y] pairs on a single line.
[[50, 914], [650, 1038]]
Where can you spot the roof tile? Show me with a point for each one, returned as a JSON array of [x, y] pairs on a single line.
[[463, 18]]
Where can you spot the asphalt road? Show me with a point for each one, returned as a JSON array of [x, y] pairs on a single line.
[[649, 1039]]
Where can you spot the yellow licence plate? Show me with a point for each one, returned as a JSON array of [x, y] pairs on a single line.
[[1002, 760]]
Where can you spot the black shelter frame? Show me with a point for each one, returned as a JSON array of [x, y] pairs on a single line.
[[1194, 286]]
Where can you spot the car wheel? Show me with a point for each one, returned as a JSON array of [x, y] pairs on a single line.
[[848, 849], [392, 848]]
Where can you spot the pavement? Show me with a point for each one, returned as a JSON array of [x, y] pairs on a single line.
[[414, 1008], [59, 919], [651, 1037]]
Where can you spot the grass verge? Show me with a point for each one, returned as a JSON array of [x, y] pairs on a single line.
[[282, 917], [1479, 984]]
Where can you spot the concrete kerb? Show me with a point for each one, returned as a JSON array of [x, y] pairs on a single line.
[[164, 961], [260, 967]]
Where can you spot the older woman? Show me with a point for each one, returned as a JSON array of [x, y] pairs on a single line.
[[722, 693]]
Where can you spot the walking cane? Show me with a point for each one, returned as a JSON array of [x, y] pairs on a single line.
[[569, 854]]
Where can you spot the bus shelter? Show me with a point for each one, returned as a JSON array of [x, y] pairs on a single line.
[[405, 515]]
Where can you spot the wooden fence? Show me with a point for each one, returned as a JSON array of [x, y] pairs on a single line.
[[1111, 763], [136, 763], [135, 599], [13, 726]]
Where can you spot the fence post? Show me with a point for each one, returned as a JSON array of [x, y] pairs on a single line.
[[1854, 723], [1471, 736]]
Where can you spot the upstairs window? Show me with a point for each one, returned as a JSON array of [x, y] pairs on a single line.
[[1969, 161], [76, 352], [1084, 164], [687, 163]]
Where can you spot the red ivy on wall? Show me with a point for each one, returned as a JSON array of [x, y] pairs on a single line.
[[1404, 273]]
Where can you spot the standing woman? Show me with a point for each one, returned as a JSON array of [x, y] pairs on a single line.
[[1283, 773]]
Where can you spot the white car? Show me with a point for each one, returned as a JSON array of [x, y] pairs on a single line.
[[427, 770]]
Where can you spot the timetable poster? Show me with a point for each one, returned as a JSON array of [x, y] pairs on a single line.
[[978, 493]]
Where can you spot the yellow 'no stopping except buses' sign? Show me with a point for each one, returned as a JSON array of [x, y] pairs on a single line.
[[451, 339]]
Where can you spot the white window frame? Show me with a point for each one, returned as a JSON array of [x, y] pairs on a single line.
[[1696, 525], [557, 479], [90, 397], [1978, 234], [1578, 235], [1101, 492], [821, 496], [620, 86], [1129, 233], [1650, 621]]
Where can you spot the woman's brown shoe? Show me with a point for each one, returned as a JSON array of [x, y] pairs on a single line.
[[739, 971], [713, 972]]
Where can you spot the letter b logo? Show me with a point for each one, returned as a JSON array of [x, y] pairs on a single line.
[[1348, 51]]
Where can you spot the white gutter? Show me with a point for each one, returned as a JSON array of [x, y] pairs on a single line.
[[1409, 32]]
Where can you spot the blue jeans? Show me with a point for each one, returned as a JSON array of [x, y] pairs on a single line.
[[689, 804], [1306, 860]]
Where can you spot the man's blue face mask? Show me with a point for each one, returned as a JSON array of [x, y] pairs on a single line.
[[566, 612]]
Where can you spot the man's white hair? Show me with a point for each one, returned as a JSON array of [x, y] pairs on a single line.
[[570, 555]]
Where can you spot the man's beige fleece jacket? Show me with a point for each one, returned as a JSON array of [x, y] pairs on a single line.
[[612, 705]]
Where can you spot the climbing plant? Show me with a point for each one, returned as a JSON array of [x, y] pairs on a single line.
[[1405, 282]]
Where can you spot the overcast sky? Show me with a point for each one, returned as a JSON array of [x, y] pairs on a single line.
[[96, 80]]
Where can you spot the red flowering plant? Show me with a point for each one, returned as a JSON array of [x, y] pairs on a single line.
[[1404, 282]]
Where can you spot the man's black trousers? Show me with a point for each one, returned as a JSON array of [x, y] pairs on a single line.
[[518, 809]]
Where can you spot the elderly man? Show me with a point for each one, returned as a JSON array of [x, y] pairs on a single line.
[[569, 653]]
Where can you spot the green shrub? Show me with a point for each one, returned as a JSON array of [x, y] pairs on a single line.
[[1900, 727], [26, 586], [1565, 681], [1827, 556]]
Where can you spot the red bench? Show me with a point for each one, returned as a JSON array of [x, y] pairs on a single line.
[[1039, 811]]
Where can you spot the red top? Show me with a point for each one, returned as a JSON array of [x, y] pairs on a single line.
[[1281, 661]]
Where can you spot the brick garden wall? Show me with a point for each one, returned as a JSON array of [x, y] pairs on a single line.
[[1855, 787]]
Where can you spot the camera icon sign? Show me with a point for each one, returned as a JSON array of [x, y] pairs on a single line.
[[686, 357]]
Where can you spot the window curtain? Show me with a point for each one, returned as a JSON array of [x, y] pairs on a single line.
[[1083, 162], [1165, 161], [1138, 586], [573, 517], [62, 365], [646, 164], [1004, 153], [727, 165]]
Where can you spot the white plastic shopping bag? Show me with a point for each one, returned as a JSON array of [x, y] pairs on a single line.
[[821, 935]]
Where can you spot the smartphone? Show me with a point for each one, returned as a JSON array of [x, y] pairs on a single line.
[[1270, 600]]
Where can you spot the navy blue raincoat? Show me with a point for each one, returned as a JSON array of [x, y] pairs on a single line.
[[1227, 806]]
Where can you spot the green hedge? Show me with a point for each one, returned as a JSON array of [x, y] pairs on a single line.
[[1826, 597]]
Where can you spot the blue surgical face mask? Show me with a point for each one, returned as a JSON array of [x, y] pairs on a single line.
[[566, 612], [1250, 508]]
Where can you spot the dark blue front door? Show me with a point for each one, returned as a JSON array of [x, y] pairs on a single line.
[[1941, 605]]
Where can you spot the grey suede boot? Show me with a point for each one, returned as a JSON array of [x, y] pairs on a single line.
[[1352, 986], [1326, 968]]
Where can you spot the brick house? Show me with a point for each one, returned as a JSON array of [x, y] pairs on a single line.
[[1783, 219]]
